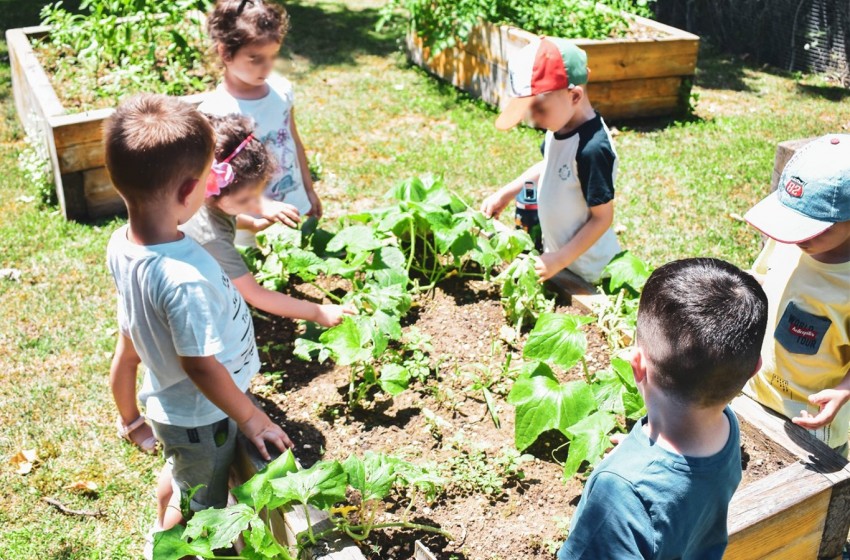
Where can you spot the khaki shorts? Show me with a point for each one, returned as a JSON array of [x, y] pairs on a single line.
[[199, 456]]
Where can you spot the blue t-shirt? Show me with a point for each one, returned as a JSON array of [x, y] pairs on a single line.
[[645, 502]]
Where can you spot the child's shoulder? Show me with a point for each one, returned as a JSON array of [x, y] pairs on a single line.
[[594, 139]]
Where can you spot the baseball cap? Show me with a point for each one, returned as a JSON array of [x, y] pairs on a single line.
[[544, 65], [813, 193]]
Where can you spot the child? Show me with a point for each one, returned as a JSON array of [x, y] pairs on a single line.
[[663, 493], [177, 311], [575, 194], [806, 270], [247, 35], [234, 188]]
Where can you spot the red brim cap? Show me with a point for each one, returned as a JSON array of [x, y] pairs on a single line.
[[783, 224], [514, 112]]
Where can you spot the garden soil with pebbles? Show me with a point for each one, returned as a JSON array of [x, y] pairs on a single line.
[[528, 518]]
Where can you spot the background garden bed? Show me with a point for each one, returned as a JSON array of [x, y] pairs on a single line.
[[630, 77]]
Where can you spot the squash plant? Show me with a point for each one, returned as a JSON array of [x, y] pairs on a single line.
[[352, 492]]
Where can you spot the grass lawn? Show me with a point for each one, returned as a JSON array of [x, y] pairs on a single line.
[[368, 120]]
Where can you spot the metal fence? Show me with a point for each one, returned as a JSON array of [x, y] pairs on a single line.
[[805, 35]]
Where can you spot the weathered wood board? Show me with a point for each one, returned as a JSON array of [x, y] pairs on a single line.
[[628, 78]]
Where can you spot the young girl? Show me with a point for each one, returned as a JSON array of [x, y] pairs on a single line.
[[247, 35], [234, 194]]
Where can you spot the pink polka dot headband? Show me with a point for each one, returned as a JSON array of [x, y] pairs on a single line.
[[222, 173]]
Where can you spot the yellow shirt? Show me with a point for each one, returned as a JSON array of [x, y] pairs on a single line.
[[807, 344]]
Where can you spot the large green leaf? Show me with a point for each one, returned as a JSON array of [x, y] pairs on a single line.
[[220, 527], [588, 441], [616, 391], [170, 545], [322, 486], [355, 239], [394, 378], [558, 339], [256, 492], [627, 269], [347, 342], [543, 404], [373, 476], [305, 264]]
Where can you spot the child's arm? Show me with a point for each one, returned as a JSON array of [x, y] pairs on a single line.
[[122, 379], [498, 201], [829, 401], [315, 202], [277, 303], [250, 223], [276, 211], [601, 217], [216, 383]]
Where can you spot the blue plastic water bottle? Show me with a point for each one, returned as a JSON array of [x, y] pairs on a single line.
[[526, 213]]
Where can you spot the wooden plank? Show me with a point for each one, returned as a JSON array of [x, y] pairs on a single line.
[[288, 523], [834, 536], [101, 198], [784, 152], [772, 514], [80, 157], [421, 552]]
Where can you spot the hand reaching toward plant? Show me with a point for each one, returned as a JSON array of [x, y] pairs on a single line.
[[495, 203], [282, 212], [546, 266], [331, 315], [259, 429], [829, 401]]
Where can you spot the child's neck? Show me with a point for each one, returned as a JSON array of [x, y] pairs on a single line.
[[583, 113], [686, 430], [242, 90], [152, 228]]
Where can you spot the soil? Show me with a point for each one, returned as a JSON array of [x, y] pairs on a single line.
[[463, 320]]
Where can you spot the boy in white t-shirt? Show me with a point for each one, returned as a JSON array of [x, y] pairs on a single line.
[[575, 194], [177, 310]]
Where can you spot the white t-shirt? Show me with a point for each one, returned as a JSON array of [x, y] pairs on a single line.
[[579, 169], [273, 116], [175, 300]]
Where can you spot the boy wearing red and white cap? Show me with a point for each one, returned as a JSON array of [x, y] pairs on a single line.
[[576, 176], [805, 266]]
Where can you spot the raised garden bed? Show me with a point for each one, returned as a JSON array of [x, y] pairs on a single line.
[[629, 78], [791, 504], [72, 141]]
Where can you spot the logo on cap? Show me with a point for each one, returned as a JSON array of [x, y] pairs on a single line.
[[794, 187]]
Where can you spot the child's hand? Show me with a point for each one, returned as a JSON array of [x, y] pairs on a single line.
[[545, 266], [282, 212], [259, 224], [332, 315], [259, 429], [315, 204], [494, 204], [829, 401]]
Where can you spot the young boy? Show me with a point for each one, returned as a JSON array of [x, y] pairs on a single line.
[[805, 266], [663, 493], [177, 311], [575, 194]]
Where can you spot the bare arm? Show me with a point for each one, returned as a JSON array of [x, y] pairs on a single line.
[[122, 379], [498, 201], [277, 303], [250, 223], [601, 218], [216, 383]]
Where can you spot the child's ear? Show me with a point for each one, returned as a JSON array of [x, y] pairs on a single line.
[[758, 367], [638, 363], [185, 190], [223, 54]]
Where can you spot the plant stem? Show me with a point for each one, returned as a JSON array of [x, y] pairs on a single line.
[[310, 534], [586, 372], [330, 295], [401, 524], [412, 243]]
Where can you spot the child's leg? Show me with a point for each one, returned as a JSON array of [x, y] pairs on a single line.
[[167, 513]]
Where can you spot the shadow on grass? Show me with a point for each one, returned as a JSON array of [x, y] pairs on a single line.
[[333, 33], [830, 93]]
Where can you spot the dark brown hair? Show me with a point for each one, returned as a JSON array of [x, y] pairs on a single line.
[[236, 23], [701, 323], [252, 165], [153, 143]]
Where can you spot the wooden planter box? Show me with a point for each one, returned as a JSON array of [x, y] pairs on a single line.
[[72, 140], [628, 78]]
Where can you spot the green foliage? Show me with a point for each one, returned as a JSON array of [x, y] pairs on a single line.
[[617, 318], [475, 470], [125, 46], [351, 493], [558, 339], [444, 23], [523, 296]]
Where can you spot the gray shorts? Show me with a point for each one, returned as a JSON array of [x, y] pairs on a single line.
[[199, 456]]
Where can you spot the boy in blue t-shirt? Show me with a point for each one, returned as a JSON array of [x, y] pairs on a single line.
[[663, 493]]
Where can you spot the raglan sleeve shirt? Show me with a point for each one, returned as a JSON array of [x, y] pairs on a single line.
[[595, 167], [610, 522]]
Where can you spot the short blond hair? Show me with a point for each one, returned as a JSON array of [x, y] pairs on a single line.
[[153, 143]]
